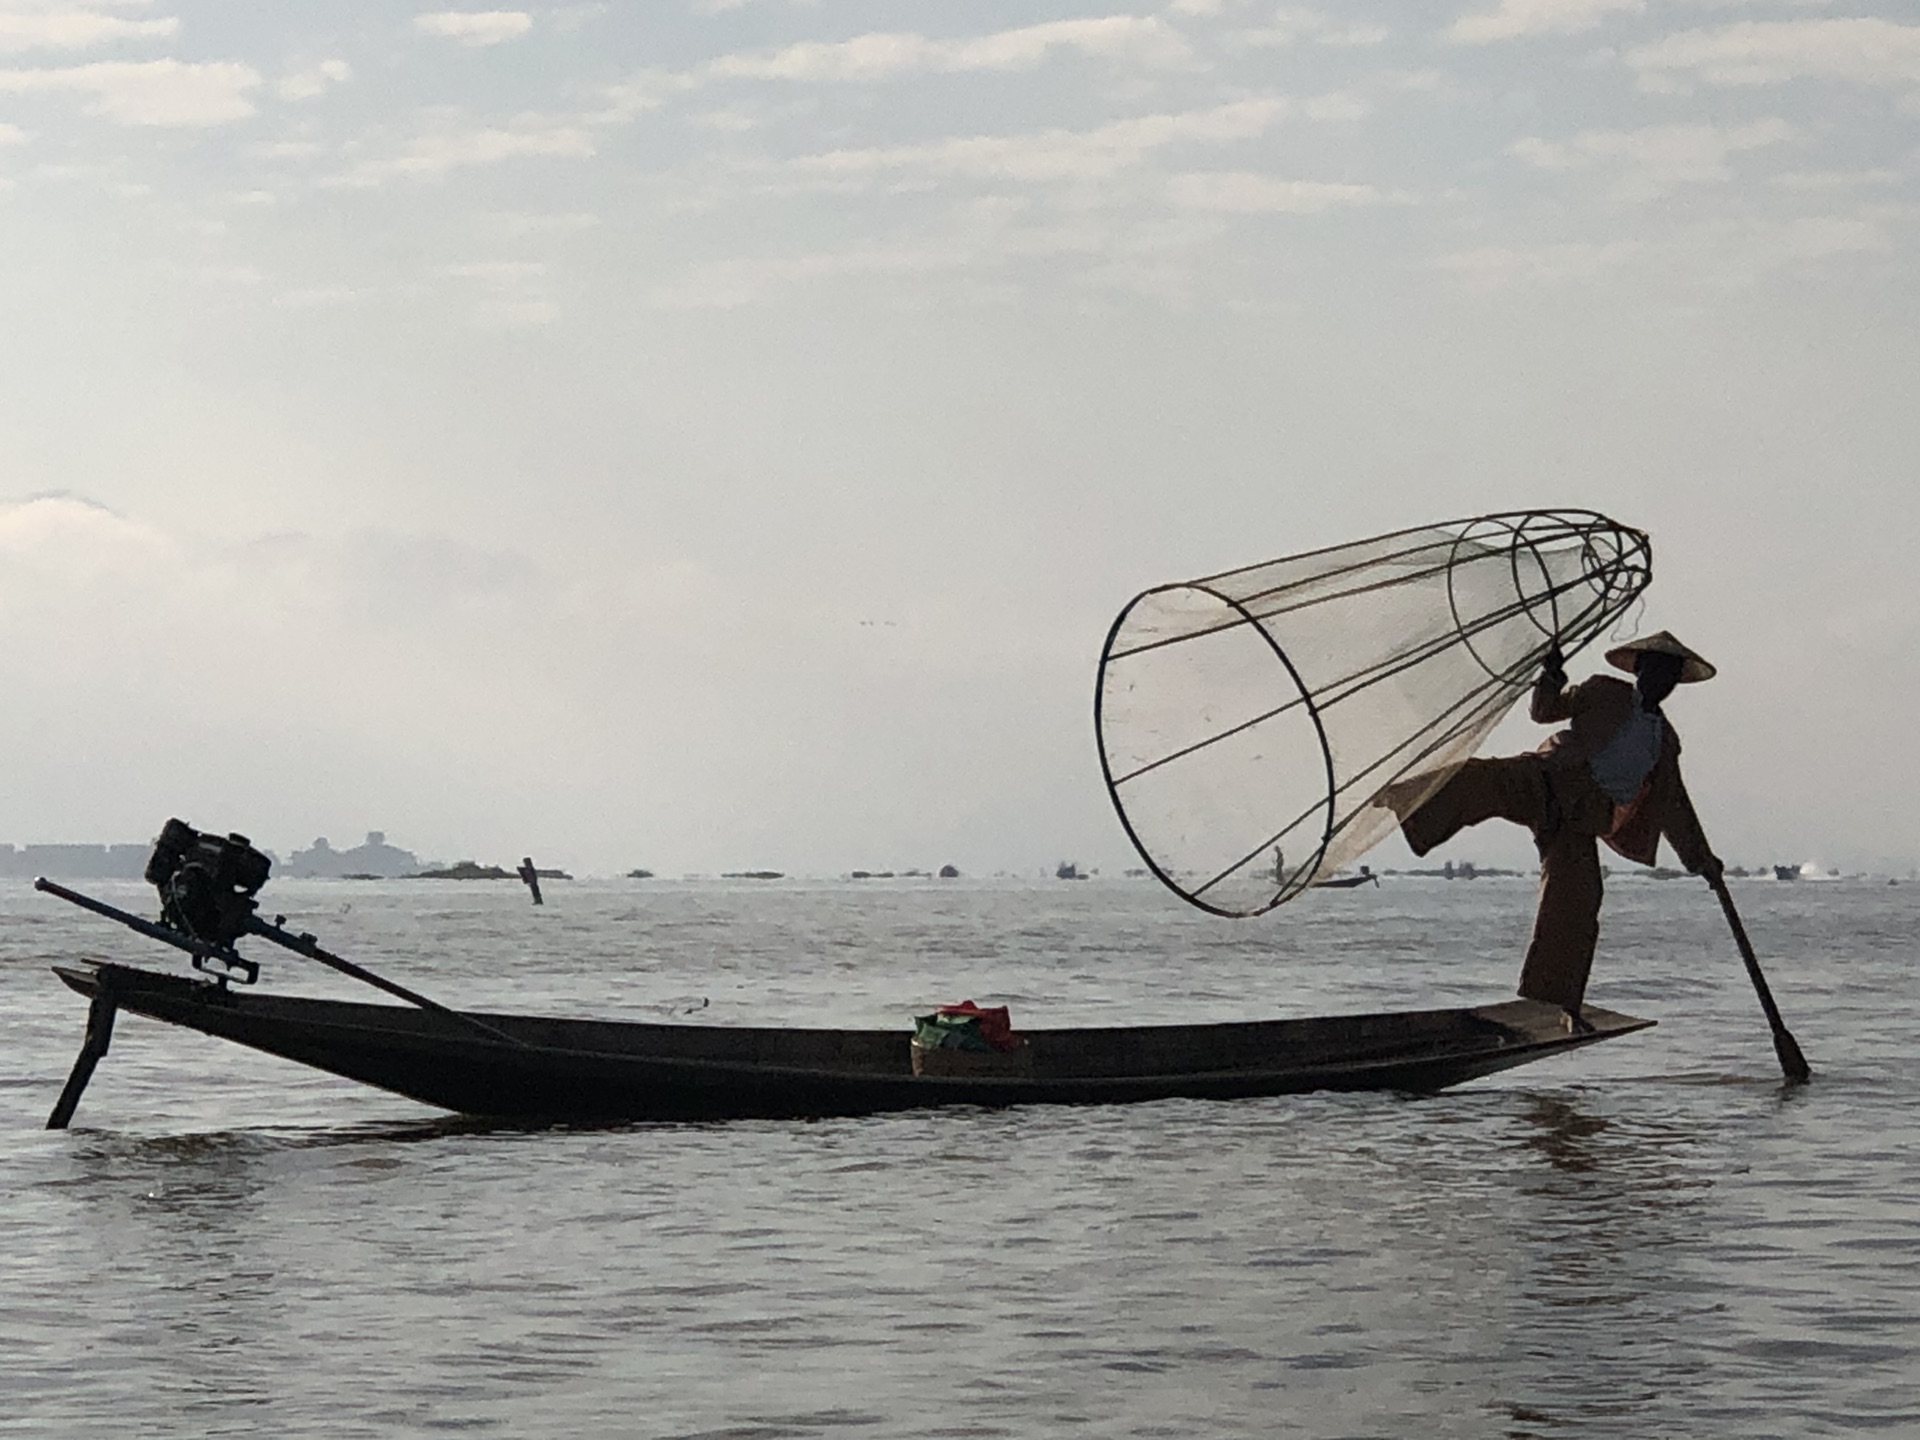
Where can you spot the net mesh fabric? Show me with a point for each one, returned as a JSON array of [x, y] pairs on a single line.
[[1250, 721]]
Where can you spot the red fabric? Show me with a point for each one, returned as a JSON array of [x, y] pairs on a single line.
[[996, 1026]]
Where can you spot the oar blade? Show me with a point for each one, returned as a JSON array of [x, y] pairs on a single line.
[[1792, 1063]]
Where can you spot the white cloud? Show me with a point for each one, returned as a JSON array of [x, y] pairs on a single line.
[[728, 122], [1239, 192], [1058, 154], [1865, 51], [513, 295], [318, 297], [70, 567], [244, 277], [1124, 39], [313, 81], [519, 224], [74, 29], [648, 90], [475, 27], [288, 150], [430, 157], [46, 522], [68, 539], [872, 58], [1658, 159], [1511, 19], [1743, 253], [1289, 26], [569, 18], [975, 242], [498, 272], [514, 314], [985, 244], [1831, 180], [1337, 105], [1494, 265], [1722, 254], [152, 92], [727, 283], [12, 135]]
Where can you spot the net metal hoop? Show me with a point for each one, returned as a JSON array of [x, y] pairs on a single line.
[[1597, 565], [1304, 875]]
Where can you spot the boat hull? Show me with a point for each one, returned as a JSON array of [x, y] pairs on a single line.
[[609, 1071]]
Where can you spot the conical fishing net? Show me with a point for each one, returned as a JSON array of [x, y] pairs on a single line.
[[1249, 721]]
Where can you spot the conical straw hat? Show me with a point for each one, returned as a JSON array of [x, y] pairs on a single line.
[[1694, 670]]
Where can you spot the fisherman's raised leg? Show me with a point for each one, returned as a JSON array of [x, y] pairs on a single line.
[[1513, 788]]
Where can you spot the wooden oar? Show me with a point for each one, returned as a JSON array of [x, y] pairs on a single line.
[[1792, 1063]]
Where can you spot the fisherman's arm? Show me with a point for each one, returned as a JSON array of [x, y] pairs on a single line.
[[1552, 696], [1682, 828]]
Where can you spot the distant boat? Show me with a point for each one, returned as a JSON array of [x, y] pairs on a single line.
[[639, 874], [752, 875], [1347, 882], [1786, 872], [1067, 870]]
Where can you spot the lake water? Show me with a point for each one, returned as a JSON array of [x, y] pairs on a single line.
[[1648, 1238]]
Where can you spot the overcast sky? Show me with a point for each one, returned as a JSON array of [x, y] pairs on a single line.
[[717, 435]]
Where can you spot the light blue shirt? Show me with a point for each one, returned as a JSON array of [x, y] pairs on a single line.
[[1622, 765]]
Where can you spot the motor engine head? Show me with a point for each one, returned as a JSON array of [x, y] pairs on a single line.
[[207, 883]]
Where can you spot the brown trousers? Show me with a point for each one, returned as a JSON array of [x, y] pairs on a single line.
[[1567, 813]]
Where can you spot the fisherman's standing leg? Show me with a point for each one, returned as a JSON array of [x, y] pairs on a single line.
[[1567, 924], [1514, 788]]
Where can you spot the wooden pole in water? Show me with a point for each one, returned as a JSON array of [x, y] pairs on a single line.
[[532, 877], [1792, 1063], [99, 1036]]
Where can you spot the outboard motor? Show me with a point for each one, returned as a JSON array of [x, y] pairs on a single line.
[[207, 883]]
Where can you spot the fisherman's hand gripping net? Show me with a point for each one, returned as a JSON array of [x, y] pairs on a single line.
[[1250, 722]]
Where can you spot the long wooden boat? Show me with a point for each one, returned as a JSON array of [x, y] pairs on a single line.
[[537, 1068]]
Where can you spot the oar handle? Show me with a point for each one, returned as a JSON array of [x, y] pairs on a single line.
[[1740, 939], [1793, 1064], [306, 945]]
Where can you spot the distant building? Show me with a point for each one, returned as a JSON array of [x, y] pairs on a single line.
[[74, 862], [322, 862]]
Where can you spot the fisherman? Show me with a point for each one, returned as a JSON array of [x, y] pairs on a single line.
[[1614, 775]]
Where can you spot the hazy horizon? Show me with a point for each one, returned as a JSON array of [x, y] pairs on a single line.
[[719, 435], [1489, 850]]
